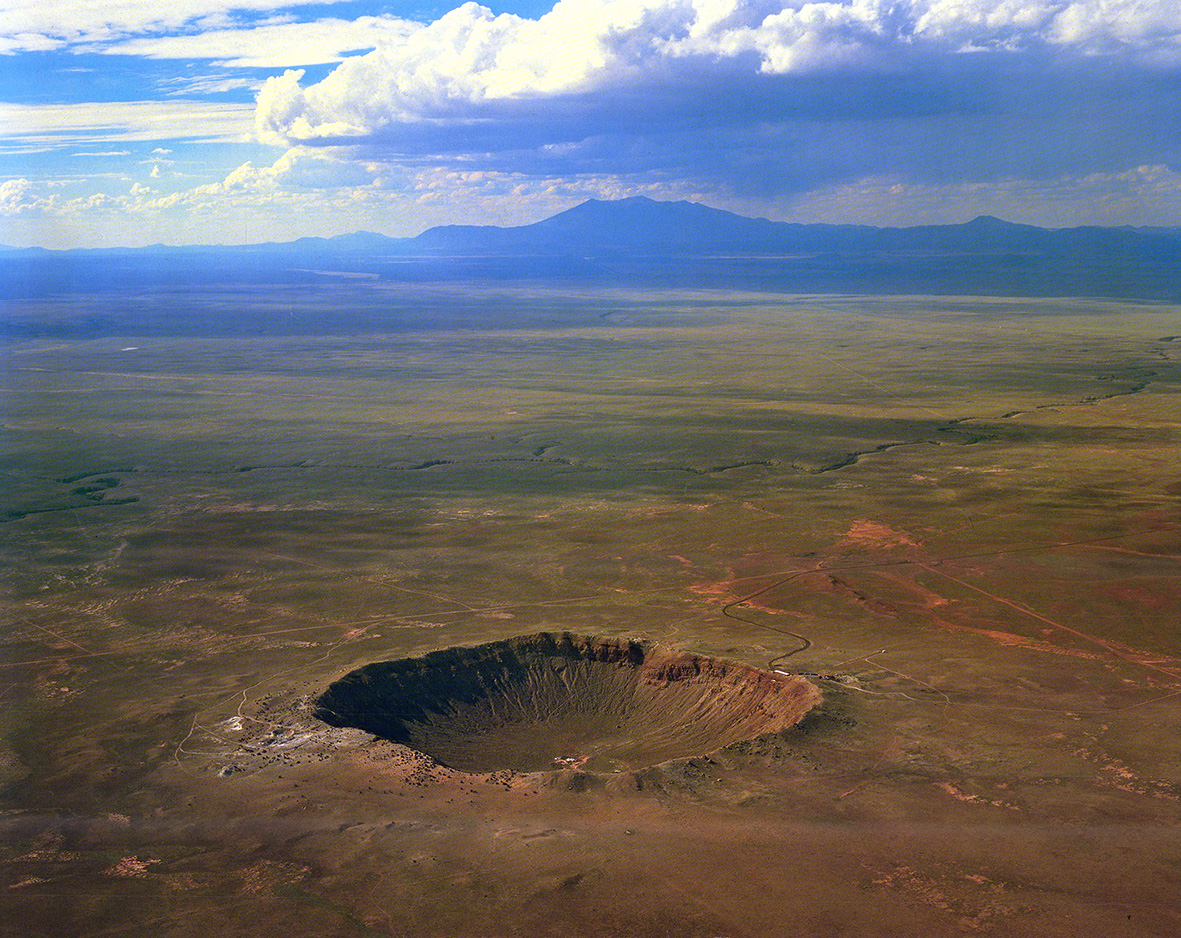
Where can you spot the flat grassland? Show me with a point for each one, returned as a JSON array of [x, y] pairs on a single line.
[[959, 516]]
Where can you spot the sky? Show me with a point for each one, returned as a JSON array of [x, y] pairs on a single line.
[[131, 122]]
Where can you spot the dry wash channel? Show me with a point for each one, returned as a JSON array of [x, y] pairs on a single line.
[[546, 701]]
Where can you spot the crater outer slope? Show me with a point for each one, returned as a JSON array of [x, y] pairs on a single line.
[[548, 701]]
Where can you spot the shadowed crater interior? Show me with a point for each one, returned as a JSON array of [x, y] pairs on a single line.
[[546, 701]]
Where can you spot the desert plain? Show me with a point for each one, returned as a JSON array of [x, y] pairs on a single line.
[[955, 519]]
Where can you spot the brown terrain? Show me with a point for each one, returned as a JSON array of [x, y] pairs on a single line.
[[747, 616]]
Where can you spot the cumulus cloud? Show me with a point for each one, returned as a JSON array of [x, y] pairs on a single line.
[[303, 168], [15, 196], [300, 180], [1093, 26], [761, 105], [757, 99], [465, 64]]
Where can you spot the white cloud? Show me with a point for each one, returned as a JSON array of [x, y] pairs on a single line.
[[16, 195], [796, 37], [39, 25], [49, 125], [581, 38], [467, 62], [330, 191], [466, 57], [14, 42], [449, 195], [1094, 26], [869, 105], [300, 180], [272, 46], [303, 168], [1144, 195], [200, 85], [322, 191]]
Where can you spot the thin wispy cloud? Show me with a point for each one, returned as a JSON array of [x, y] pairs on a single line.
[[270, 46], [196, 86], [63, 124], [39, 25]]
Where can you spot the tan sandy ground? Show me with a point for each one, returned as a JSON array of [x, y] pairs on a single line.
[[991, 605]]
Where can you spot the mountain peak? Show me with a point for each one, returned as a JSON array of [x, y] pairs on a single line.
[[990, 221], [683, 241]]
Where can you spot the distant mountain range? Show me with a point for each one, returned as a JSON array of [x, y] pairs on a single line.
[[641, 241], [661, 229]]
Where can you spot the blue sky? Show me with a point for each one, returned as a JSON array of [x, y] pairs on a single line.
[[125, 122]]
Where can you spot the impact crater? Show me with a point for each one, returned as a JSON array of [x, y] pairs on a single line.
[[551, 701]]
